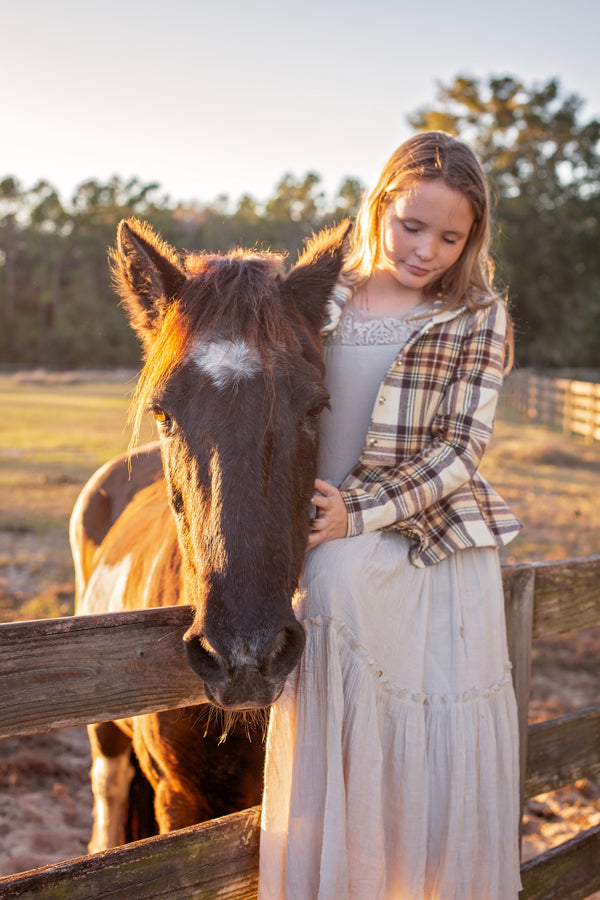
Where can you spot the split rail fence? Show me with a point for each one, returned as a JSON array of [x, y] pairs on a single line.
[[64, 672], [573, 406]]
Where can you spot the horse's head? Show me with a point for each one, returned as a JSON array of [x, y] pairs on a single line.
[[234, 377]]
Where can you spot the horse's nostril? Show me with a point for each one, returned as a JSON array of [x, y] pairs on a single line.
[[202, 661], [285, 652]]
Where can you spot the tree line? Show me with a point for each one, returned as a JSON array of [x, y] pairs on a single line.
[[58, 309]]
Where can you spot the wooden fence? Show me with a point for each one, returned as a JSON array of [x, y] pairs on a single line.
[[573, 406], [63, 672]]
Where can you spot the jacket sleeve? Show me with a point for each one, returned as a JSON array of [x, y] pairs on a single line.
[[377, 496]]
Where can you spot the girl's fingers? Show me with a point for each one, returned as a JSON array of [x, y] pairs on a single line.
[[331, 519], [323, 487]]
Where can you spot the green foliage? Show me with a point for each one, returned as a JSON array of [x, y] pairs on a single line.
[[543, 163], [57, 306]]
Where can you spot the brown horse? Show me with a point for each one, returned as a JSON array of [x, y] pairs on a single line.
[[217, 515]]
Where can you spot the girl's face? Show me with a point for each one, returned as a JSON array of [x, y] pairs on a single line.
[[423, 232]]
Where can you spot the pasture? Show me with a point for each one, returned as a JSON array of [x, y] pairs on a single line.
[[55, 433]]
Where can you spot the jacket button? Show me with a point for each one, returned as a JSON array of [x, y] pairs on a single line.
[[381, 400], [399, 363], [373, 442]]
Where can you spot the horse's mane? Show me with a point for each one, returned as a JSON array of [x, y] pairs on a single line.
[[227, 295]]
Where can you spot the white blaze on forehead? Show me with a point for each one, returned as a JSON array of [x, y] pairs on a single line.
[[227, 362]]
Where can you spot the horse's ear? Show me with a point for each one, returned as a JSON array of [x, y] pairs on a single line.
[[313, 278], [146, 275]]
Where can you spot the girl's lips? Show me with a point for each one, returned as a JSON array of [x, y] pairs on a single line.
[[416, 270]]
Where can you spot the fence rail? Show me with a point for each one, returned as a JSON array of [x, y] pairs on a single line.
[[64, 672], [573, 406]]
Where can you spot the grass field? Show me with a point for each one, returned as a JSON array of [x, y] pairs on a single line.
[[54, 434], [552, 482]]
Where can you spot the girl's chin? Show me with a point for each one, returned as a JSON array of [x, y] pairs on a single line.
[[412, 278]]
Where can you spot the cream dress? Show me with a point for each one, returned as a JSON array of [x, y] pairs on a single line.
[[392, 756]]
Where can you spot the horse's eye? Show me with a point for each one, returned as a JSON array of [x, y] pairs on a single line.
[[315, 411], [160, 415]]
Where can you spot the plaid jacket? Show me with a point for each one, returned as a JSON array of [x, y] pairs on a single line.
[[432, 420]]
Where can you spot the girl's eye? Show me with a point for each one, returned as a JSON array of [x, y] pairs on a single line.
[[450, 240], [409, 228]]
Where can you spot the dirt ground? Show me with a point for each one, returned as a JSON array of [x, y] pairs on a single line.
[[46, 810]]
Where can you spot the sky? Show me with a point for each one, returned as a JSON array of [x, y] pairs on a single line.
[[224, 97]]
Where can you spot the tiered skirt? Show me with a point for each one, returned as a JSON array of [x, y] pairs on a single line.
[[392, 755]]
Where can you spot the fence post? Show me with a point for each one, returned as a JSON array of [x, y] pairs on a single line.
[[532, 408], [518, 584], [594, 432], [567, 407]]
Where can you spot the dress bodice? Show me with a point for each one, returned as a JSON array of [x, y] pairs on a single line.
[[358, 355]]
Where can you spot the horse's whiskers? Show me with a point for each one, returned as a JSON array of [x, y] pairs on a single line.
[[252, 721]]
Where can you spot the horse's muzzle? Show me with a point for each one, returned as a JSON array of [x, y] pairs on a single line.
[[243, 680]]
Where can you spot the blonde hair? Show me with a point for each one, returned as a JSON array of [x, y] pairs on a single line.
[[436, 156]]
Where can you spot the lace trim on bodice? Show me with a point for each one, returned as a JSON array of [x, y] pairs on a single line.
[[358, 330]]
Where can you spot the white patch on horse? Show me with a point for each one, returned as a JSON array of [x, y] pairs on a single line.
[[111, 778], [105, 589], [227, 362]]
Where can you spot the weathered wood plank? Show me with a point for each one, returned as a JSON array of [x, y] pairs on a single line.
[[60, 672], [518, 584], [218, 859], [567, 595], [568, 872], [562, 750]]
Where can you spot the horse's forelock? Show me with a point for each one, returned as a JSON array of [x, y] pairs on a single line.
[[237, 296]]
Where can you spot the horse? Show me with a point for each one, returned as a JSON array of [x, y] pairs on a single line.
[[215, 515]]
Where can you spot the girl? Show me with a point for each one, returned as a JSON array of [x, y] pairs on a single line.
[[392, 758]]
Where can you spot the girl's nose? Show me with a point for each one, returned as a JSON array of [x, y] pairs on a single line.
[[426, 249]]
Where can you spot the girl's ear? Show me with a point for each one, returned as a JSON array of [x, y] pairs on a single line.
[[314, 276], [146, 274]]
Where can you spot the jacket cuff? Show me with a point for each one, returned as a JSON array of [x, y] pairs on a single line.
[[364, 515]]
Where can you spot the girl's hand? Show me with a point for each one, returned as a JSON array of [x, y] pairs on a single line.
[[331, 520]]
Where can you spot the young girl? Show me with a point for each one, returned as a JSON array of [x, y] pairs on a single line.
[[392, 757]]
